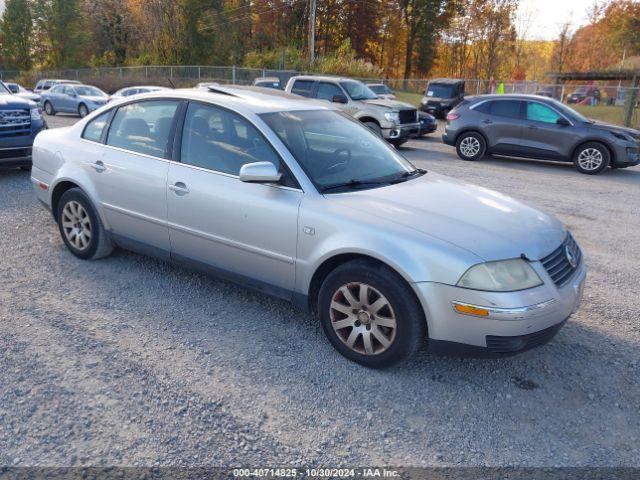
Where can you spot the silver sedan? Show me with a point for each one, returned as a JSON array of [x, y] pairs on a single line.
[[298, 200]]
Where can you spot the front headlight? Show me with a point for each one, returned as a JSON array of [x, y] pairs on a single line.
[[500, 276], [36, 114], [623, 136], [392, 116]]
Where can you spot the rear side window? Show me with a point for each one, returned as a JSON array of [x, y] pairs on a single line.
[[537, 112], [302, 87], [93, 130], [501, 108], [143, 127]]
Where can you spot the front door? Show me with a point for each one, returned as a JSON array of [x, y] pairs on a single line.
[[246, 231], [501, 122], [543, 137]]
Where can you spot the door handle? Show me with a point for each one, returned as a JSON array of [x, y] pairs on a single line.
[[533, 127], [179, 188], [98, 166], [487, 122]]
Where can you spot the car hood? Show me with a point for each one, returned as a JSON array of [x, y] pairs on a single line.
[[489, 224], [29, 96], [616, 128], [96, 99], [391, 104], [7, 102]]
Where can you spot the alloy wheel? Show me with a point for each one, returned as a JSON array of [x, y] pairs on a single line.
[[590, 159], [470, 146], [76, 225], [363, 318]]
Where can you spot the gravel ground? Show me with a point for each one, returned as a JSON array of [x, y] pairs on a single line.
[[131, 361]]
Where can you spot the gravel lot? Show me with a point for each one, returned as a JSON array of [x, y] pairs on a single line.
[[131, 361]]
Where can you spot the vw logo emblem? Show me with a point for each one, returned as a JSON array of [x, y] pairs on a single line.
[[571, 258]]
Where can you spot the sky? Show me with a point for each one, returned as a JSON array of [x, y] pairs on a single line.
[[543, 19]]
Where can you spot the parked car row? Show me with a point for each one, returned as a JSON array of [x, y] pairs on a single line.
[[297, 199]]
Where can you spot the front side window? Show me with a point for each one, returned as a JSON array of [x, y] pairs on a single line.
[[336, 151], [56, 89], [302, 87], [143, 127], [223, 141], [93, 130], [537, 112], [326, 91], [358, 90]]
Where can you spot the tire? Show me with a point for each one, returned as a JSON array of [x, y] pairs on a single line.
[[48, 108], [471, 146], [83, 111], [399, 142], [591, 158], [75, 208], [374, 127], [397, 305]]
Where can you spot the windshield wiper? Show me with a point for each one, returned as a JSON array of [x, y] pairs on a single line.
[[352, 183], [404, 176]]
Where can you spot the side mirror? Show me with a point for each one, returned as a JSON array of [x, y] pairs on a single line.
[[259, 172], [563, 122], [339, 99]]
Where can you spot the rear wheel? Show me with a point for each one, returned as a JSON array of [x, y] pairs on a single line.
[[370, 314], [48, 108], [591, 158], [471, 146], [80, 226]]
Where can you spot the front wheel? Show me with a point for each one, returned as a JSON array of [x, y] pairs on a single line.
[[83, 111], [591, 158], [374, 127], [370, 314], [471, 146], [48, 108], [80, 226]]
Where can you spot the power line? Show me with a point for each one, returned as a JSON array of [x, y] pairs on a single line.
[[243, 16]]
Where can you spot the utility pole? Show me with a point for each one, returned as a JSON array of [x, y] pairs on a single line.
[[312, 31]]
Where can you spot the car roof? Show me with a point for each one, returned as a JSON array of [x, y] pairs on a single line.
[[507, 96], [253, 99], [376, 85], [266, 79], [446, 81], [323, 78]]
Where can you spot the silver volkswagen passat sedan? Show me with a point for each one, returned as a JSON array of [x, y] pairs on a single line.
[[300, 201]]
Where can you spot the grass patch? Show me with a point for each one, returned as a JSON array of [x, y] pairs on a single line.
[[409, 97]]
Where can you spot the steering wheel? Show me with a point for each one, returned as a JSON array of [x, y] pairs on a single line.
[[337, 166]]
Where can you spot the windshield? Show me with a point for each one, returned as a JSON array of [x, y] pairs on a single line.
[[335, 150], [89, 91], [440, 91], [379, 89], [569, 112], [358, 90]]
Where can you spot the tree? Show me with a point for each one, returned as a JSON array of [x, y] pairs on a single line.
[[16, 34], [562, 49], [59, 33]]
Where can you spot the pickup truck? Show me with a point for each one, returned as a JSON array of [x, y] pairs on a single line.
[[20, 121]]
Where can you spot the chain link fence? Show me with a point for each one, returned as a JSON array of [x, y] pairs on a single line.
[[615, 103]]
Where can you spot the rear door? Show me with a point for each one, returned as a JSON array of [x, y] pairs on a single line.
[[131, 176], [501, 121], [543, 137]]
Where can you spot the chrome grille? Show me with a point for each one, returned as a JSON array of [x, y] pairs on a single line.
[[557, 262], [15, 123], [408, 116]]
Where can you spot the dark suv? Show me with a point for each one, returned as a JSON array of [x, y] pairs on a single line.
[[441, 96], [538, 127], [20, 122]]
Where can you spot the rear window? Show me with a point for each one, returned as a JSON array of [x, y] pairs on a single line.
[[302, 87]]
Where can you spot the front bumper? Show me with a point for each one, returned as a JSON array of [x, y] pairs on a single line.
[[627, 155], [16, 151], [517, 320], [399, 132]]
